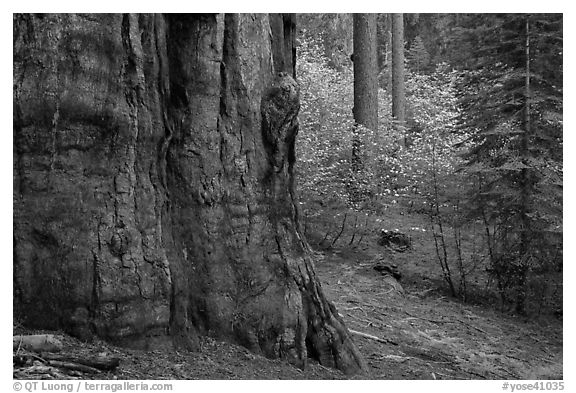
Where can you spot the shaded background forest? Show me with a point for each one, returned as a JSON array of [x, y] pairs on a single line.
[[479, 156]]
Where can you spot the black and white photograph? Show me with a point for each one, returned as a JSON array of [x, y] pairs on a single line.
[[287, 196]]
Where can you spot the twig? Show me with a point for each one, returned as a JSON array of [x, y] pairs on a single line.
[[363, 233], [446, 375], [324, 367], [396, 358], [341, 230], [473, 327], [355, 308], [371, 337], [425, 319], [19, 345], [507, 372], [515, 358], [474, 373], [325, 237], [27, 354], [354, 233], [447, 321]]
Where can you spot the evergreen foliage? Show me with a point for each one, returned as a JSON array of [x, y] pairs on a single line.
[[513, 104], [418, 57]]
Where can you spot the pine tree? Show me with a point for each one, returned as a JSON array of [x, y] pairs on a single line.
[[513, 100], [418, 56]]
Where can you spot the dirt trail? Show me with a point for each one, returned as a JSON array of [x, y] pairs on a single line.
[[430, 336]]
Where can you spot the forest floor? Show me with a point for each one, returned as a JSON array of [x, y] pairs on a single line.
[[431, 336], [425, 334]]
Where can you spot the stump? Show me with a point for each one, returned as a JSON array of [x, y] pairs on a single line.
[[394, 240]]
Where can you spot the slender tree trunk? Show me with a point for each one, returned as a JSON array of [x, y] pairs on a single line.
[[365, 75], [398, 87], [154, 195], [365, 86], [365, 71]]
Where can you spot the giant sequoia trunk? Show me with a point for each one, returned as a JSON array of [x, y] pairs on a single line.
[[154, 194]]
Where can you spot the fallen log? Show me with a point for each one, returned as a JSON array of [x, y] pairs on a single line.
[[73, 366], [37, 343], [103, 363]]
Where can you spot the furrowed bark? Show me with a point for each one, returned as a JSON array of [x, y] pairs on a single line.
[[154, 195]]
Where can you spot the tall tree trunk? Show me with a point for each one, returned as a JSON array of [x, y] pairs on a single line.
[[365, 85], [398, 88], [525, 181], [154, 195]]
